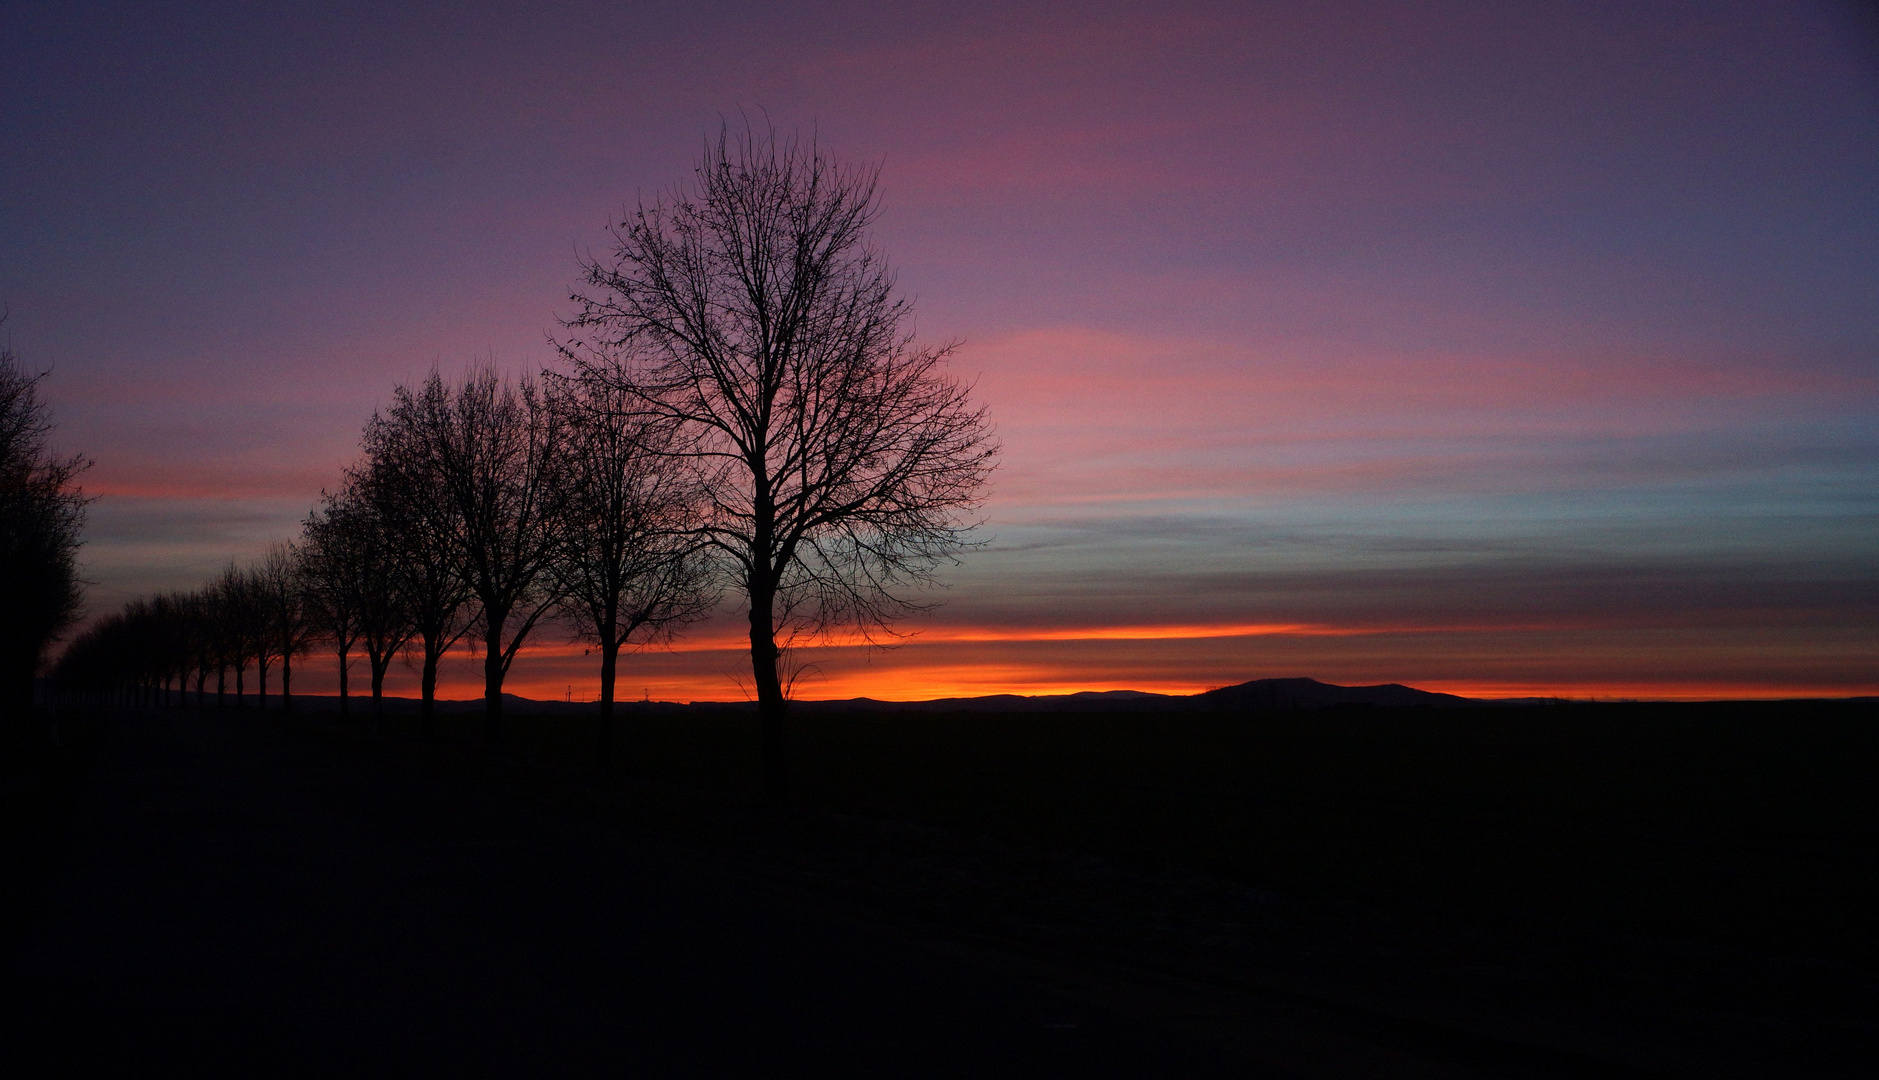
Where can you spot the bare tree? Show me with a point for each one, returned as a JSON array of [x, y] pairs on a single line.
[[288, 618], [497, 451], [198, 620], [41, 514], [328, 556], [416, 522], [124, 658], [353, 570], [628, 563], [838, 463], [234, 604], [168, 659], [223, 595], [255, 612], [490, 454]]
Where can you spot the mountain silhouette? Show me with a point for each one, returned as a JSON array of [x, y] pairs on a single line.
[[1312, 694], [1257, 694]]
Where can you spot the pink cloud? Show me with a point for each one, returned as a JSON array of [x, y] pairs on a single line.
[[1090, 415]]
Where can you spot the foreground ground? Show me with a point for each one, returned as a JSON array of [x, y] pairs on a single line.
[[235, 898], [1667, 893]]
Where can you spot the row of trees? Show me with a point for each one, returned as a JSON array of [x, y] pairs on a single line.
[[42, 511], [257, 618], [485, 507], [481, 509], [742, 406]]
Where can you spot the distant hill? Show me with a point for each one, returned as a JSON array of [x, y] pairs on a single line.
[[1277, 694], [1258, 694], [1312, 694], [1083, 701]]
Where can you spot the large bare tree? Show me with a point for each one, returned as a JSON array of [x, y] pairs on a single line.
[[628, 563], [838, 462]]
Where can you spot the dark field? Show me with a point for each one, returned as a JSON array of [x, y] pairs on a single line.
[[1748, 823], [1686, 888], [1537, 891]]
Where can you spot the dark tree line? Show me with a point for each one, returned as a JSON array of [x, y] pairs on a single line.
[[165, 650], [481, 509], [745, 407], [42, 512]]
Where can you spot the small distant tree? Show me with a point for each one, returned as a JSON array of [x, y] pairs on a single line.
[[42, 512], [104, 663], [169, 643], [288, 618], [236, 632], [255, 610], [628, 563], [221, 600], [199, 633], [335, 610], [838, 464]]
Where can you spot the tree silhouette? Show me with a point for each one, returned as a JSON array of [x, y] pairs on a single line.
[[493, 451], [167, 658], [503, 462], [353, 572], [234, 603], [288, 618], [132, 657], [41, 514], [416, 522], [334, 604], [196, 611], [837, 462], [254, 614], [627, 562]]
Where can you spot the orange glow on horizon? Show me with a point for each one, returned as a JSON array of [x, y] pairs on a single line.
[[713, 641], [942, 682], [1642, 691], [972, 661]]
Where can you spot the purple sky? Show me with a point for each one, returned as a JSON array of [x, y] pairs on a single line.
[[1495, 347]]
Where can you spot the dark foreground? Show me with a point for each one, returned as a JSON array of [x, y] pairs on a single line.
[[236, 899], [1611, 891]]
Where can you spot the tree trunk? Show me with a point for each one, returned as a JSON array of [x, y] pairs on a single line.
[[492, 681], [241, 686], [379, 664], [427, 704], [609, 667], [261, 666], [772, 707], [345, 702], [287, 683]]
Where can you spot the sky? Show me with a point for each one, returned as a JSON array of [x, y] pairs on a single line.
[[1505, 349]]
